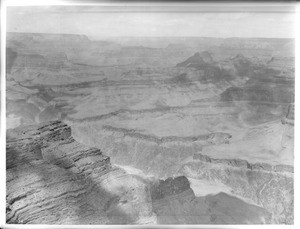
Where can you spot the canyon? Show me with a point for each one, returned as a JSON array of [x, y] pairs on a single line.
[[149, 130], [52, 178]]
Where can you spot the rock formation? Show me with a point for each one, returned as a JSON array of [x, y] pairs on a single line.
[[175, 202], [168, 130], [269, 186], [52, 179], [198, 60]]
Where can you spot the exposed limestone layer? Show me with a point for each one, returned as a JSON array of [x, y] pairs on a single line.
[[52, 61], [245, 164], [146, 152], [128, 112], [283, 64], [52, 179], [206, 139]]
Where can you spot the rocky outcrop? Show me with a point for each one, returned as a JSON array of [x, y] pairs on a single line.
[[51, 61], [169, 187], [174, 202], [243, 164], [52, 179], [242, 65], [198, 60], [213, 138], [269, 186], [161, 156], [210, 71], [285, 65]]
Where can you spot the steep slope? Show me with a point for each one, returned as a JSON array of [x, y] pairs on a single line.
[[232, 69], [270, 187], [198, 60], [174, 202]]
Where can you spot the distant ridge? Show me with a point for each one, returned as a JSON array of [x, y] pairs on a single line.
[[197, 60], [47, 36]]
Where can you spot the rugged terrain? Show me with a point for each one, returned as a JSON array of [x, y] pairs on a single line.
[[53, 179], [192, 130]]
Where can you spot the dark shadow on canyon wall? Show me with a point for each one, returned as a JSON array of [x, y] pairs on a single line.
[[95, 202]]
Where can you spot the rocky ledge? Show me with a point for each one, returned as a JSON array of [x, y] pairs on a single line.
[[52, 179], [243, 164]]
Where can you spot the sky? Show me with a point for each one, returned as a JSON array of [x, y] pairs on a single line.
[[98, 22]]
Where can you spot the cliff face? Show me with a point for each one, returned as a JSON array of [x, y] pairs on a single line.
[[55, 180], [174, 202], [52, 179], [159, 156], [270, 187]]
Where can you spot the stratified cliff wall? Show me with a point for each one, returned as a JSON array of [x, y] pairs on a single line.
[[52, 179]]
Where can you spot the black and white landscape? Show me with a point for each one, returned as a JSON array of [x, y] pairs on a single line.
[[148, 129]]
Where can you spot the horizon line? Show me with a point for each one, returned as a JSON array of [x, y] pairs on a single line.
[[90, 36]]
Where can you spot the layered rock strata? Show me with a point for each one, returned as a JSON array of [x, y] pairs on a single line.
[[243, 164], [52, 179]]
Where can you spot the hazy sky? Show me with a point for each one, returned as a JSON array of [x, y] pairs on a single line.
[[96, 22]]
